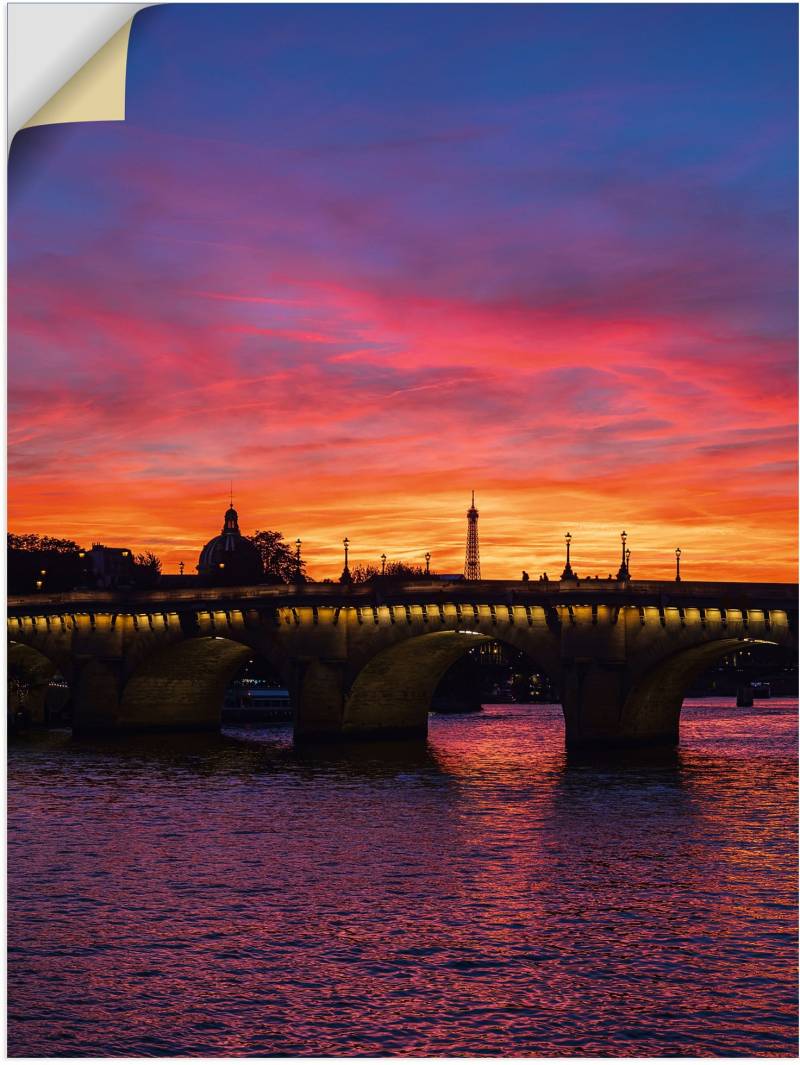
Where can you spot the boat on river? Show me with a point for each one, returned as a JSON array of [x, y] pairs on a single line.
[[245, 703]]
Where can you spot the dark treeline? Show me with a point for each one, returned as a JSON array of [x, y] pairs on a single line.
[[38, 561], [51, 564], [362, 572]]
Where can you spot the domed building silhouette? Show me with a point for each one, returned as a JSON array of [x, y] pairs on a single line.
[[230, 558]]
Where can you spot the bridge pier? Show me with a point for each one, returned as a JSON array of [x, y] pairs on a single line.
[[317, 688], [96, 689], [596, 700], [597, 677]]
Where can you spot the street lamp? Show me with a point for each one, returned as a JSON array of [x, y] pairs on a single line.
[[383, 564], [677, 563], [346, 571], [298, 563], [628, 563], [567, 573], [622, 573], [427, 563]]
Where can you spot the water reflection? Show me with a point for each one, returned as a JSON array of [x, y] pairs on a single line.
[[479, 894], [235, 751], [404, 758]]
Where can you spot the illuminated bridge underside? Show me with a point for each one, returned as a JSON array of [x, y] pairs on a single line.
[[366, 660]]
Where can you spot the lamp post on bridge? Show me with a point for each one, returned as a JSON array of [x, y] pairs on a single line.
[[677, 564], [567, 574], [628, 564], [346, 578], [623, 573], [427, 563], [383, 564], [298, 565]]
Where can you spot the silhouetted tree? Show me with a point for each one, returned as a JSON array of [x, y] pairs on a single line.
[[146, 569], [363, 571], [33, 542], [29, 554], [406, 570], [277, 557], [399, 571]]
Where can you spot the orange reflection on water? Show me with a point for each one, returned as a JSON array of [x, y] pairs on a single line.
[[481, 895]]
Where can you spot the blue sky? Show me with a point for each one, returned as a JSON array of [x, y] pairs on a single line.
[[328, 237]]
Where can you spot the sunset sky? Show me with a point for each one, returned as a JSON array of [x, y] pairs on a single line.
[[361, 260]]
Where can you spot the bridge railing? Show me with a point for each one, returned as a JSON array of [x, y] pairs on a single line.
[[634, 593]]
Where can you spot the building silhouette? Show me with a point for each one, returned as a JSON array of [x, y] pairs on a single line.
[[230, 558], [109, 567]]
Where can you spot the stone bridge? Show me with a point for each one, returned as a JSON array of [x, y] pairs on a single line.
[[365, 660]]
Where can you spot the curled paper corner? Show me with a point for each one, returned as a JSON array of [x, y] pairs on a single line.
[[96, 93]]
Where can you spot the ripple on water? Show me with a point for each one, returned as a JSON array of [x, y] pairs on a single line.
[[479, 894]]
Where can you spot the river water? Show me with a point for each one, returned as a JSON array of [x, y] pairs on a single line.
[[481, 894]]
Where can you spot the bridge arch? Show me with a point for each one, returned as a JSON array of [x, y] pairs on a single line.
[[652, 707], [182, 686], [393, 691], [30, 672]]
